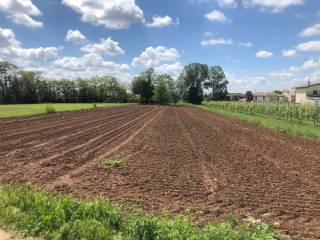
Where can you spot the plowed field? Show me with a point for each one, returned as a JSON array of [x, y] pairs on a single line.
[[175, 158]]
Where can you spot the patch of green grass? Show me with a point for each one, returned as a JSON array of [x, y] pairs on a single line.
[[20, 110], [113, 162], [38, 214], [292, 127]]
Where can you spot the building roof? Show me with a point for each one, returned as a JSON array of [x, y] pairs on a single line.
[[308, 85], [288, 93], [262, 94], [236, 94]]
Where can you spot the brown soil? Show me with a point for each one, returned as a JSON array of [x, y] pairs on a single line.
[[175, 158]]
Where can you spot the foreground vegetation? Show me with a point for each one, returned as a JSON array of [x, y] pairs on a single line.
[[35, 213], [19, 110], [299, 128]]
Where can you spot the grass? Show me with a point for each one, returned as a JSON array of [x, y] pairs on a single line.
[[292, 127], [113, 162], [38, 214], [20, 110]]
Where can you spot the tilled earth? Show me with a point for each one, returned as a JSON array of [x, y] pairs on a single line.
[[175, 158]]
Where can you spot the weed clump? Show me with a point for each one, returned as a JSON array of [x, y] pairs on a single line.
[[39, 214], [113, 162], [50, 109]]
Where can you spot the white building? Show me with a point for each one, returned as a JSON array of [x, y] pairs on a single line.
[[269, 97], [308, 93]]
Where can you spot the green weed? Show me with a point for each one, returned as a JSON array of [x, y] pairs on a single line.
[[35, 213], [113, 162], [50, 109]]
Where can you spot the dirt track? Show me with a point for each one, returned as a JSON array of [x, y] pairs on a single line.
[[177, 158]]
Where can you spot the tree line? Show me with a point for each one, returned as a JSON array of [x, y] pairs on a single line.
[[194, 83], [19, 86], [190, 85]]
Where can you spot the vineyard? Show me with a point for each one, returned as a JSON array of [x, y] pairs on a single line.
[[287, 111]]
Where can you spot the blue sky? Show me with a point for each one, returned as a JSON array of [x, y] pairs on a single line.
[[261, 44]]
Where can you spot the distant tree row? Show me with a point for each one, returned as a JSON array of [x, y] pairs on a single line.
[[196, 80], [18, 86], [189, 86]]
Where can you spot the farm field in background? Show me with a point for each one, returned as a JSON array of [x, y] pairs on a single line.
[[169, 158], [272, 116], [287, 111], [21, 110]]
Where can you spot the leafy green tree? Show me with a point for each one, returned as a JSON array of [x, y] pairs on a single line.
[[173, 90], [193, 76], [143, 85], [162, 94], [249, 96], [8, 82], [30, 82], [217, 82]]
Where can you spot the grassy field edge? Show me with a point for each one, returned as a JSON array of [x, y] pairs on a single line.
[[35, 213], [25, 110], [294, 128]]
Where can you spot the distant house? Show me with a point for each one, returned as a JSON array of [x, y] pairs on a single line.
[[236, 96], [269, 97], [290, 95], [308, 93]]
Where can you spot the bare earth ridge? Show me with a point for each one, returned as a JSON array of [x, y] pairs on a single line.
[[175, 158]]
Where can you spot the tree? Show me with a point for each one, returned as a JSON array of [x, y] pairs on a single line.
[[193, 75], [173, 86], [249, 96], [162, 95], [217, 82], [8, 82], [143, 85], [277, 91], [30, 82]]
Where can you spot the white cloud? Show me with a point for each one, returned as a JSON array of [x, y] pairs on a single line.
[[171, 69], [247, 44], [311, 46], [115, 14], [152, 57], [21, 12], [282, 75], [106, 47], [75, 36], [10, 48], [306, 66], [160, 22], [227, 3], [8, 39], [208, 34], [311, 31], [87, 61], [219, 41], [217, 16], [274, 6], [89, 65], [264, 54], [311, 64], [289, 53], [221, 3]]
